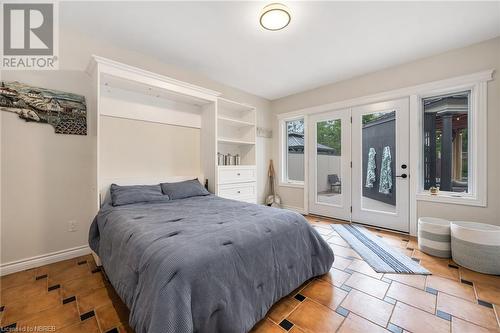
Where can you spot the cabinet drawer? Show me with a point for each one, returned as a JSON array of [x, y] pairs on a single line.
[[238, 191], [228, 175]]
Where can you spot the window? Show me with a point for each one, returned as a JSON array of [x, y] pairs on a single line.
[[293, 152], [454, 142], [446, 142]]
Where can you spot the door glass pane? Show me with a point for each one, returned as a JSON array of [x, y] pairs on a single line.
[[328, 161], [379, 156], [446, 148]]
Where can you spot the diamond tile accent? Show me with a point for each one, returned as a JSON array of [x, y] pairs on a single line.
[[87, 315], [431, 291], [484, 303], [342, 311], [394, 328], [443, 315], [286, 324]]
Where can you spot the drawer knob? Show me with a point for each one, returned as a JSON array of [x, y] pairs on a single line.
[[239, 191], [238, 174]]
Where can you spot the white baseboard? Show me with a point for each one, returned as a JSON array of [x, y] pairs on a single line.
[[299, 210], [44, 259]]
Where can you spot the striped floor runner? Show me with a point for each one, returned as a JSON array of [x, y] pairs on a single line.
[[380, 256]]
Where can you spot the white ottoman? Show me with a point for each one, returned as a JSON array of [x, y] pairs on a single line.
[[434, 236], [476, 246]]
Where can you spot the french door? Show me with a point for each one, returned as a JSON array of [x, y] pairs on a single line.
[[329, 164], [380, 155], [358, 164]]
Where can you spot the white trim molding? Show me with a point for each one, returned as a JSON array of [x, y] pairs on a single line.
[[41, 260], [136, 74], [468, 79]]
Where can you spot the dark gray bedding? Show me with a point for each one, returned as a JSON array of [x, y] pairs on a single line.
[[204, 264]]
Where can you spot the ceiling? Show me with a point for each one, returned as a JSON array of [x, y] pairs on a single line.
[[325, 42]]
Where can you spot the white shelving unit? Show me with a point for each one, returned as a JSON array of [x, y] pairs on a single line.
[[125, 92], [236, 133]]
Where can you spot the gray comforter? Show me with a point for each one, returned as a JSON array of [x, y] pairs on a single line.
[[204, 264]]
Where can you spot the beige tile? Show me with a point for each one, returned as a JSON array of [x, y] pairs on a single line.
[[325, 232], [86, 326], [312, 317], [368, 307], [488, 293], [413, 296], [70, 273], [28, 307], [24, 291], [337, 240], [344, 251], [111, 315], [295, 329], [418, 321], [324, 293], [451, 287], [17, 279], [266, 326], [466, 310], [362, 267], [57, 267], [82, 285], [336, 277], [367, 284], [59, 317], [341, 263], [440, 267], [414, 280], [282, 309], [357, 324], [479, 278], [462, 326], [96, 298]]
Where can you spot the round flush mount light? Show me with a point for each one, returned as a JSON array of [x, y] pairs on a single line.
[[275, 16]]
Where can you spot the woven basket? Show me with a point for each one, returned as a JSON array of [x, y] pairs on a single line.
[[476, 246], [434, 236]]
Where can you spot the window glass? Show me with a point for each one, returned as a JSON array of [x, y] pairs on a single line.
[[446, 142], [295, 151]]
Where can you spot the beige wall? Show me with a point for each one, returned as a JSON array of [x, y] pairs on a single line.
[[48, 179], [478, 57]]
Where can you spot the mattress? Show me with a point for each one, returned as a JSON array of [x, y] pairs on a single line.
[[204, 264]]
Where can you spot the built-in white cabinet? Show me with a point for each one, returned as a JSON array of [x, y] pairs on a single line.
[[130, 96], [236, 132]]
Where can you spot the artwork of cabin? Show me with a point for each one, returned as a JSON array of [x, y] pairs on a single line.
[[65, 111]]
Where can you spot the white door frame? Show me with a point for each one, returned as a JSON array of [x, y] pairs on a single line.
[[343, 209]]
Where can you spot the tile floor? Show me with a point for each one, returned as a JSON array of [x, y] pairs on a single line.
[[73, 296]]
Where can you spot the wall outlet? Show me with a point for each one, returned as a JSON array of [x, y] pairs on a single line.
[[72, 226]]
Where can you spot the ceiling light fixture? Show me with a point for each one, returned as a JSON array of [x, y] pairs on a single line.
[[275, 17]]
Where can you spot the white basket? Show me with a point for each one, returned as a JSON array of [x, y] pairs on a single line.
[[434, 236], [476, 246]]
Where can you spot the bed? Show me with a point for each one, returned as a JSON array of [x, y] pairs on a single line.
[[204, 263]]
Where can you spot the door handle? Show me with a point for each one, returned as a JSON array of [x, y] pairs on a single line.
[[404, 175]]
